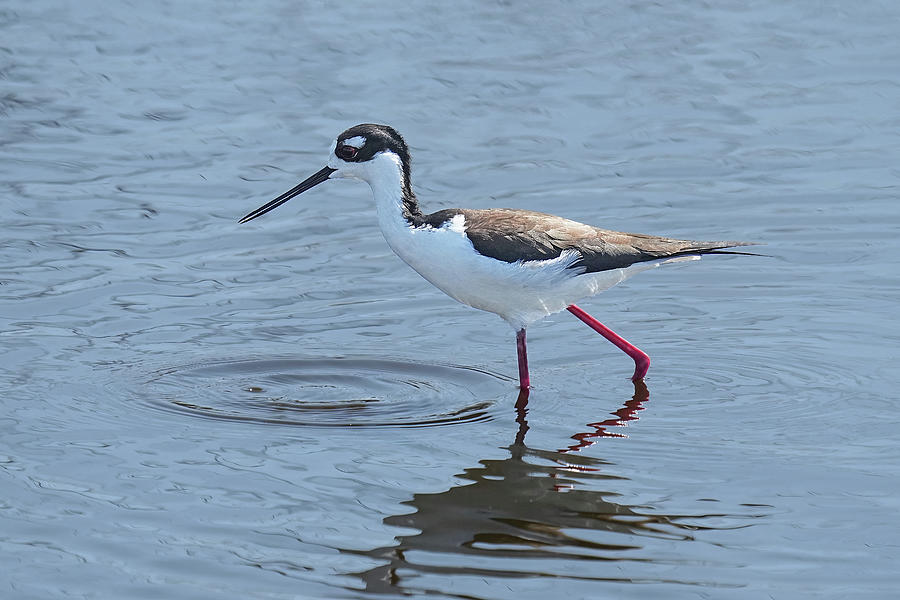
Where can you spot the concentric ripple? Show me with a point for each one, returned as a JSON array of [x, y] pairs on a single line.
[[330, 392]]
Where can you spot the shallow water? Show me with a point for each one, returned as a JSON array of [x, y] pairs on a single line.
[[198, 409]]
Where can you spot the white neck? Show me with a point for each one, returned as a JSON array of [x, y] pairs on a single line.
[[384, 174]]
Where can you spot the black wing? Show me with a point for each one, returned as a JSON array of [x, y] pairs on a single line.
[[510, 235]]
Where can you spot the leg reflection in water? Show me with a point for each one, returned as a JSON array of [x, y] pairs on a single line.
[[601, 429]]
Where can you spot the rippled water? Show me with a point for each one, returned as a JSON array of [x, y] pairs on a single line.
[[198, 409], [330, 392]]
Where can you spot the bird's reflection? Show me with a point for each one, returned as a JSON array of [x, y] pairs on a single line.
[[529, 505]]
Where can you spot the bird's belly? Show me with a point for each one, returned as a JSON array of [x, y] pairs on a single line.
[[520, 292]]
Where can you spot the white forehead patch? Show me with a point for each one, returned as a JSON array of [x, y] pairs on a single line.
[[357, 142]]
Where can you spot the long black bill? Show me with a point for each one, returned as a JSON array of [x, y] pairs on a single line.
[[311, 181]]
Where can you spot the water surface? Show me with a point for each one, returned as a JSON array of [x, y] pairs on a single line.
[[282, 409]]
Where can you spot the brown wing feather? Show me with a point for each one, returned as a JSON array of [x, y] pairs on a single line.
[[510, 235]]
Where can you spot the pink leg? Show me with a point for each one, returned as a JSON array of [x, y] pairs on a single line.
[[641, 360], [524, 380]]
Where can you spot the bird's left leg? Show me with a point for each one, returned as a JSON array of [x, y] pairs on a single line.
[[641, 360]]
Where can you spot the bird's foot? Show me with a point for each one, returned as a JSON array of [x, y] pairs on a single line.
[[641, 365]]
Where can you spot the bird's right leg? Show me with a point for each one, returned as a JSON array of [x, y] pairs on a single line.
[[524, 380]]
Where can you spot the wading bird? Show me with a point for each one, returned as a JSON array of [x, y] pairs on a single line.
[[518, 264]]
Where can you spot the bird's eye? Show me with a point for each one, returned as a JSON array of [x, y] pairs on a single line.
[[347, 152]]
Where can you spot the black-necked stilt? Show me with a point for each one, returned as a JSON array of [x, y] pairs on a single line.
[[519, 264]]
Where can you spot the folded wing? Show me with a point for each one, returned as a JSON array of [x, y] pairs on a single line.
[[510, 235]]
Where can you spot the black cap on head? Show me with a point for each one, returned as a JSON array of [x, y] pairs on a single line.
[[378, 138]]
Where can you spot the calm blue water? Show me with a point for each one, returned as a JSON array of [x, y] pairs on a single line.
[[196, 409]]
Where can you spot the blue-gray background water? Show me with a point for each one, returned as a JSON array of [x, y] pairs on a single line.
[[193, 408]]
